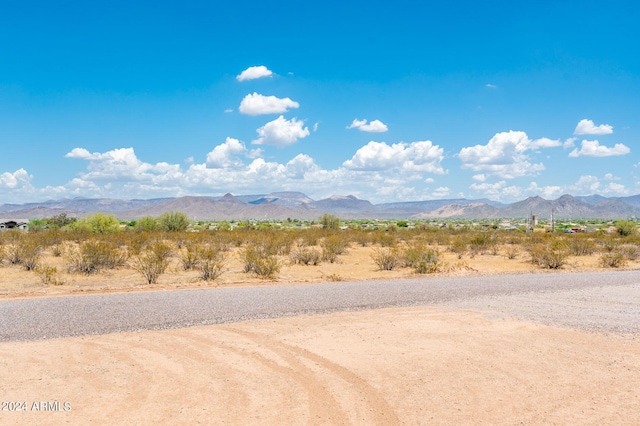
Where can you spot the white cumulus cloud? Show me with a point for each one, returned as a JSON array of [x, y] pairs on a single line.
[[375, 126], [421, 156], [120, 164], [281, 132], [257, 104], [506, 155], [588, 127], [17, 179], [441, 192], [252, 73], [594, 149], [225, 154]]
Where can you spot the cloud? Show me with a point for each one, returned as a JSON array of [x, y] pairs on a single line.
[[610, 176], [281, 132], [440, 192], [594, 149], [588, 127], [252, 73], [480, 177], [120, 164], [421, 156], [490, 86], [257, 104], [17, 179], [505, 155], [376, 126], [300, 165], [569, 143], [588, 184], [225, 154]]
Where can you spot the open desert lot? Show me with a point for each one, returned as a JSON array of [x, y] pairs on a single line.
[[502, 350]]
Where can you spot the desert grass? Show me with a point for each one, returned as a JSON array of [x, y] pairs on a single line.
[[271, 257]]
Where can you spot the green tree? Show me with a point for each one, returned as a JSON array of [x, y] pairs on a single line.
[[626, 227], [329, 221], [97, 223], [60, 221], [173, 221], [147, 223]]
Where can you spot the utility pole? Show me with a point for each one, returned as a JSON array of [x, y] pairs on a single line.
[[553, 223]]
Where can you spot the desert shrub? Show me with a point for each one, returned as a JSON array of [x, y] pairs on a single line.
[[92, 256], [580, 246], [31, 252], [137, 242], [459, 246], [385, 258], [153, 261], [211, 263], [334, 277], [311, 237], [173, 221], [305, 256], [257, 260], [57, 250], [221, 241], [421, 258], [147, 223], [333, 246], [49, 275], [629, 251], [329, 221], [149, 265], [23, 250], [386, 239], [190, 256], [442, 238], [551, 256], [97, 223], [272, 242], [363, 238], [613, 259], [511, 252], [608, 244], [626, 228], [480, 243]]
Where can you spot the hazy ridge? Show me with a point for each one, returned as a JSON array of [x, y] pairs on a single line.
[[296, 205]]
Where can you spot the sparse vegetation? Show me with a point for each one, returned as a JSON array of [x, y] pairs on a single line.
[[385, 258], [49, 275], [258, 260], [92, 256], [100, 243], [211, 263], [553, 256], [152, 262], [626, 228], [329, 221], [173, 221]]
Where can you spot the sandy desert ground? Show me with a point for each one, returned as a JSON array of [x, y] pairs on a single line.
[[409, 365], [355, 265], [413, 365]]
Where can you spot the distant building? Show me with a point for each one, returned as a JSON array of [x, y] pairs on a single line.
[[22, 224]]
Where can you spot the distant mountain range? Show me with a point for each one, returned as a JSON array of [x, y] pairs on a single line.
[[296, 205]]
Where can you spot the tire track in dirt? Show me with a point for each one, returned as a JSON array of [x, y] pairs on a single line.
[[321, 399]]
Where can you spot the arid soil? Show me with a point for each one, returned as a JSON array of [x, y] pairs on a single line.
[[355, 265], [392, 366], [410, 365]]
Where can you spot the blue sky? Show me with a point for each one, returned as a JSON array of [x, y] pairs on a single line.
[[388, 101]]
